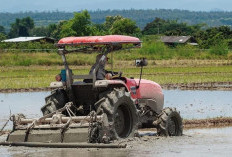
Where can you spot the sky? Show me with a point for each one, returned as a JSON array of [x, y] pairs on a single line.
[[77, 5]]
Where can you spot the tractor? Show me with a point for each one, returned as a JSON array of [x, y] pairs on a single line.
[[84, 108]]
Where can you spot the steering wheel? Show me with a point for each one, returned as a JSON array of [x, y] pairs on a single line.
[[117, 75]]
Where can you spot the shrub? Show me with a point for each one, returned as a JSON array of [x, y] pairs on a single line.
[[185, 51], [156, 50], [220, 48]]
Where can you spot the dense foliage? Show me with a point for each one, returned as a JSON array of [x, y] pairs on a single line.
[[2, 30], [170, 27], [2, 36], [48, 31], [125, 26], [79, 25], [141, 17], [28, 47], [21, 27], [2, 33], [218, 40], [213, 36]]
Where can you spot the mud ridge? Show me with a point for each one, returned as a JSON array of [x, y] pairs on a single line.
[[200, 86], [181, 86], [208, 123]]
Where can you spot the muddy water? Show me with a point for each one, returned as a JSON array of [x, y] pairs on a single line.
[[195, 142], [26, 103], [200, 104], [192, 104]]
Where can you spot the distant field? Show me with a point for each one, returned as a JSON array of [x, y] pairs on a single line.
[[37, 69], [174, 56], [162, 72]]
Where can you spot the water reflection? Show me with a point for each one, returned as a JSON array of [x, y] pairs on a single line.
[[26, 103], [222, 131], [200, 104], [191, 104]]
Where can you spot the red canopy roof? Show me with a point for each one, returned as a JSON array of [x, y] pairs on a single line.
[[99, 40]]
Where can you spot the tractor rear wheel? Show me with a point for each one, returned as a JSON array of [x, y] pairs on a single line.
[[169, 123], [121, 113]]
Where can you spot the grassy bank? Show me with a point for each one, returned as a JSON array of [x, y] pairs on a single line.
[[166, 65], [150, 52], [162, 72]]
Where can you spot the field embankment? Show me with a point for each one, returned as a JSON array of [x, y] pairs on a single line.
[[208, 123]]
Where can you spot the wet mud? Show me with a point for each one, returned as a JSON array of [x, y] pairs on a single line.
[[205, 117], [208, 123], [188, 124], [194, 142], [200, 86]]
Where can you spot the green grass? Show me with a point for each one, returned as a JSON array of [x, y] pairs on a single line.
[[151, 53], [27, 59], [182, 64], [41, 76], [166, 65]]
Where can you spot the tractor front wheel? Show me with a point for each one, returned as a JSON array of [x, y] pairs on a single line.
[[169, 123]]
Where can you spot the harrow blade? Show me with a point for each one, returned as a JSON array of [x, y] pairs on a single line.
[[62, 145], [57, 128], [50, 136]]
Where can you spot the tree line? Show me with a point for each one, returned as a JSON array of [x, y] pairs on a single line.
[[142, 17], [81, 25]]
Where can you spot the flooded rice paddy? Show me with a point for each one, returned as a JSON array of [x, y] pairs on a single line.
[[191, 104], [197, 104], [194, 142]]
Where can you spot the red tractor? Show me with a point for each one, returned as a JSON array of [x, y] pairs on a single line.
[[114, 107]]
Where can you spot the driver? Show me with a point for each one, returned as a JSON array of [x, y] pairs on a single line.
[[101, 73]]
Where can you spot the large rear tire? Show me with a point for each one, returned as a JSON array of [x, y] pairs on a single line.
[[121, 113], [169, 123]]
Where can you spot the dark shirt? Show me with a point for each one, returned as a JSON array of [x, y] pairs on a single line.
[[100, 72]]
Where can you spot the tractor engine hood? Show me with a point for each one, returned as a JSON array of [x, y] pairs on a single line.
[[148, 89], [149, 93]]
